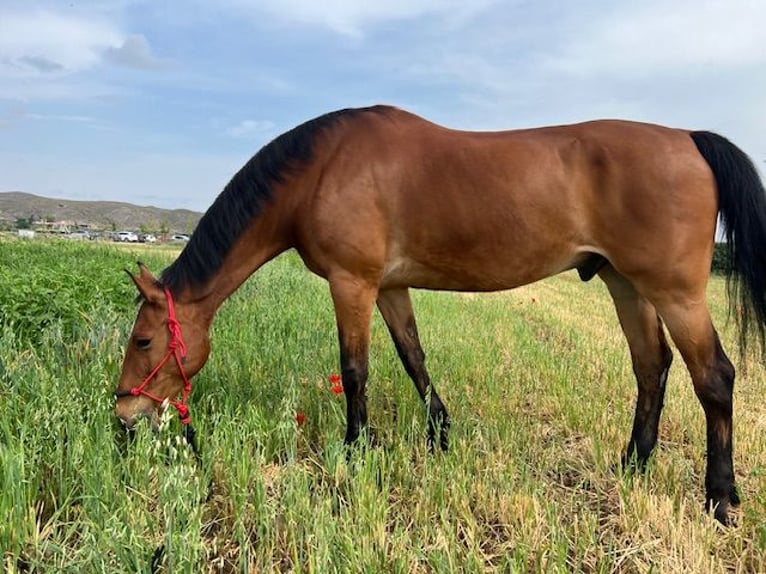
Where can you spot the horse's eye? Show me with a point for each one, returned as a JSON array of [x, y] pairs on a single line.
[[143, 344]]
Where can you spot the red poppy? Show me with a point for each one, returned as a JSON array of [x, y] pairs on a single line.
[[300, 418], [337, 384]]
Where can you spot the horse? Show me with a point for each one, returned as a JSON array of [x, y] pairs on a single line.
[[378, 200]]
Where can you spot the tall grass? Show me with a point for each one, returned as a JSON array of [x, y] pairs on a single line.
[[537, 381]]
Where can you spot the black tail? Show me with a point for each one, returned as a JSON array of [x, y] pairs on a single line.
[[742, 205]]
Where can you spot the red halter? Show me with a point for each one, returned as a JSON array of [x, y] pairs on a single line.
[[177, 349]]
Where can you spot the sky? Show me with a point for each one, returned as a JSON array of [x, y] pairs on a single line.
[[160, 102]]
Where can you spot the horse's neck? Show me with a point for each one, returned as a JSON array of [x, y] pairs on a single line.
[[266, 238]]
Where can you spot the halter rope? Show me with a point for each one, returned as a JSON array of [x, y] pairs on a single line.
[[177, 349]]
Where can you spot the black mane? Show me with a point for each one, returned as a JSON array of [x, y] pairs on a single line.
[[243, 198]]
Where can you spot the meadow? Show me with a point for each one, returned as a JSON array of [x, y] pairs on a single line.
[[537, 381]]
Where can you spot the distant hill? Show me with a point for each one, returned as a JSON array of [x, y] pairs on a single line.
[[106, 215]]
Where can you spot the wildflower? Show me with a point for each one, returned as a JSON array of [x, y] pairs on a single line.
[[300, 418], [337, 384]]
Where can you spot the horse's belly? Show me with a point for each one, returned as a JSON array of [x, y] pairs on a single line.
[[473, 275]]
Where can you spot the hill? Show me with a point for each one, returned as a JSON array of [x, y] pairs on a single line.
[[105, 215]]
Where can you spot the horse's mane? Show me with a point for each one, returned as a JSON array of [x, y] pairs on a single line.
[[243, 198]]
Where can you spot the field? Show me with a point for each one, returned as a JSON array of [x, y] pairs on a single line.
[[537, 381]]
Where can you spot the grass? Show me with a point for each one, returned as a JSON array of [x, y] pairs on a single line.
[[537, 381]]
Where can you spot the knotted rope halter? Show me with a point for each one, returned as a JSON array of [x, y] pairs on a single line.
[[176, 349]]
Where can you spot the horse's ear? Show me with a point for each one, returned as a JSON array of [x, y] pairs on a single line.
[[145, 274], [146, 284]]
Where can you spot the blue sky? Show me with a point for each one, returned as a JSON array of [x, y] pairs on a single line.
[[160, 102]]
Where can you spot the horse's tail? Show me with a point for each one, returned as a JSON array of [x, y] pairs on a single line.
[[742, 206]]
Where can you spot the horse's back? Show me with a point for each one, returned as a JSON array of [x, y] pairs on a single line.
[[447, 209]]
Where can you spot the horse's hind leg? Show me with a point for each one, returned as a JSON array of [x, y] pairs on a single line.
[[651, 358], [713, 378], [396, 308]]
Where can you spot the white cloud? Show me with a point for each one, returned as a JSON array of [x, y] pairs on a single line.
[[40, 42], [56, 89], [62, 118], [247, 128], [637, 39], [51, 53], [352, 17], [134, 52]]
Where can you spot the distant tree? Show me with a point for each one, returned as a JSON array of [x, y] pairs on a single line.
[[190, 225], [22, 223], [150, 227], [164, 229]]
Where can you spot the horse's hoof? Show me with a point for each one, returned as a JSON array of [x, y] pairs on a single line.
[[633, 463], [721, 512]]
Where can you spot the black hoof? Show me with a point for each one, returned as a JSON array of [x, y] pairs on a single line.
[[634, 463], [441, 422], [720, 508], [365, 438]]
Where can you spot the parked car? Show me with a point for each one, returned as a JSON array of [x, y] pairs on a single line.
[[128, 236], [179, 237], [147, 238], [80, 234]]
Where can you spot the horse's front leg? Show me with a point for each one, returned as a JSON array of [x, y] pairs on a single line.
[[354, 300]]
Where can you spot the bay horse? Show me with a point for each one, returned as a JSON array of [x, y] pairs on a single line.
[[377, 200]]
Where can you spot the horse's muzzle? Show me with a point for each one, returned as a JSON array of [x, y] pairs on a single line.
[[129, 410]]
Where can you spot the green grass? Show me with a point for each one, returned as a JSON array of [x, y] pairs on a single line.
[[537, 381]]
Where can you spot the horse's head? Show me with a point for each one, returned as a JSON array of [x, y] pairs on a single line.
[[169, 344]]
